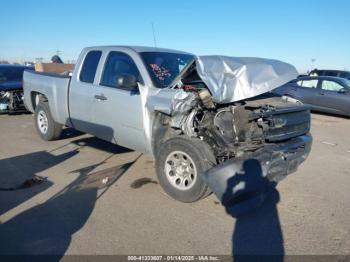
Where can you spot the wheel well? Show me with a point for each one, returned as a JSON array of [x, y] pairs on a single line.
[[36, 97], [161, 131]]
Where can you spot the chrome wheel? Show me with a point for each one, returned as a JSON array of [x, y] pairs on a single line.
[[180, 170], [42, 122]]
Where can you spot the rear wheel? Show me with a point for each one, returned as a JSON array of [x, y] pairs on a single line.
[[180, 164], [47, 128]]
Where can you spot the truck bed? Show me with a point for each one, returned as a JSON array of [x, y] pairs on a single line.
[[53, 86]]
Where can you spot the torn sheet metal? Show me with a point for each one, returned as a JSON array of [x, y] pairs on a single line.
[[231, 79], [173, 102]]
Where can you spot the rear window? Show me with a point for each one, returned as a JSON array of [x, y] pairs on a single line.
[[312, 83], [345, 75], [11, 74], [328, 73], [88, 71]]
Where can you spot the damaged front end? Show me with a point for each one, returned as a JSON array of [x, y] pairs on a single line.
[[11, 101], [226, 102]]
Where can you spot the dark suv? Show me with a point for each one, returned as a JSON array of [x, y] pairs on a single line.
[[335, 73], [11, 90]]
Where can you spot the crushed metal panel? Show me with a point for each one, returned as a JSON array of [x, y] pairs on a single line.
[[231, 79], [161, 100], [172, 101]]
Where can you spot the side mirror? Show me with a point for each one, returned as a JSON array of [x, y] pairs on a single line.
[[127, 81]]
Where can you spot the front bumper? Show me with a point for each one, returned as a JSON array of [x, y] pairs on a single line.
[[252, 172]]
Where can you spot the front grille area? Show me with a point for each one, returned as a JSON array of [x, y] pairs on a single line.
[[287, 125]]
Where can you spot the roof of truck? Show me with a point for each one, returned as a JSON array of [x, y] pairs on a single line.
[[141, 49]]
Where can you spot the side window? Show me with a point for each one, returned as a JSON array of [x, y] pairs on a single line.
[[299, 83], [118, 64], [309, 83], [331, 73], [88, 70], [331, 86], [345, 75]]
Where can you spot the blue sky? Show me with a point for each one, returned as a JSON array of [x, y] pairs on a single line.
[[292, 31]]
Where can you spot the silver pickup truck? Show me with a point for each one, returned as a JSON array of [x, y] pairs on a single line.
[[201, 117]]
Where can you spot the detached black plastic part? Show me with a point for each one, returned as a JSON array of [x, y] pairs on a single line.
[[244, 180]]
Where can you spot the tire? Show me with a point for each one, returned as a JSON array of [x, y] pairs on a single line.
[[180, 159], [46, 127]]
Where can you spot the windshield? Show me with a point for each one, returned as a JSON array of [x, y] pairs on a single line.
[[8, 74], [164, 67]]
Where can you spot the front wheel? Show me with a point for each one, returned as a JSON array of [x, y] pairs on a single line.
[[47, 128], [180, 164]]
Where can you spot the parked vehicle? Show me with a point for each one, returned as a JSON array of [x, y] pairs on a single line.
[[334, 73], [11, 91], [323, 94], [191, 113]]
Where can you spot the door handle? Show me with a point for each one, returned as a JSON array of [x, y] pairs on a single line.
[[100, 97]]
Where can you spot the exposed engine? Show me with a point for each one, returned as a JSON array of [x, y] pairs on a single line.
[[245, 126], [11, 101]]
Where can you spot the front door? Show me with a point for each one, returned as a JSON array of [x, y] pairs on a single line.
[[118, 112], [331, 98], [307, 91]]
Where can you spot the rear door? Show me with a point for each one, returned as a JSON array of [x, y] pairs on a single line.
[[81, 92], [331, 98], [118, 112], [306, 91]]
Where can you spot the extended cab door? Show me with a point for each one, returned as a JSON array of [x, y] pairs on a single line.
[[116, 110], [307, 91], [81, 92]]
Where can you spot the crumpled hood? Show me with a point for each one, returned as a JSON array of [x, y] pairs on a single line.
[[231, 79]]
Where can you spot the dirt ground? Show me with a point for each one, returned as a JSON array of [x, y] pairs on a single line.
[[103, 199]]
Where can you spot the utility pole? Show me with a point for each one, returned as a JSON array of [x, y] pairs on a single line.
[[313, 60], [154, 36]]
